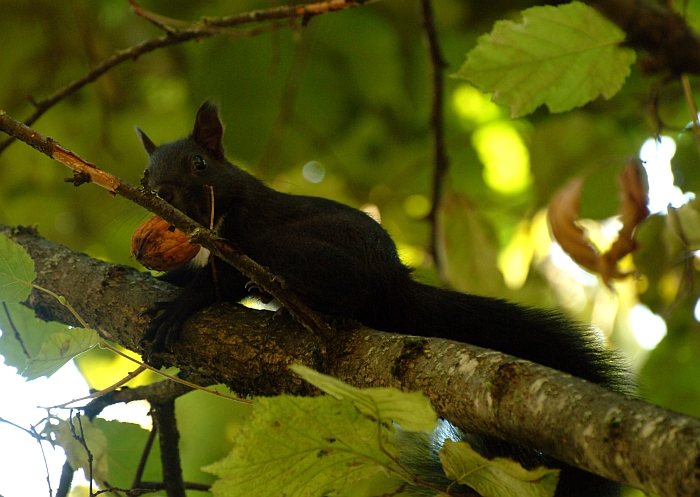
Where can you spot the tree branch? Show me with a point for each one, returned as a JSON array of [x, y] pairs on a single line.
[[159, 392], [169, 437], [478, 390], [672, 44], [440, 160], [66, 481], [86, 172], [206, 28], [144, 458]]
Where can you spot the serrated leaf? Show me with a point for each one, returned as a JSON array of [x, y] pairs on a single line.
[[60, 348], [301, 447], [412, 411], [22, 325], [497, 477], [16, 271], [77, 456], [563, 56]]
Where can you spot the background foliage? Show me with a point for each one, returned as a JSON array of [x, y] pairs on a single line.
[[340, 109]]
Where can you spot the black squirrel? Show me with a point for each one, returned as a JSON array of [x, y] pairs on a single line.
[[341, 262]]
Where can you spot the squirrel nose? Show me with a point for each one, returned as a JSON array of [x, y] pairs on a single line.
[[166, 192]]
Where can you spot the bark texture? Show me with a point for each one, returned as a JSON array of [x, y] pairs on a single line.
[[478, 390]]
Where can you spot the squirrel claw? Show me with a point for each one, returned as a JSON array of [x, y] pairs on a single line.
[[255, 291], [162, 331], [156, 308], [282, 311]]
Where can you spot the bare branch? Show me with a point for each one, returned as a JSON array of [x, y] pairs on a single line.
[[161, 391], [36, 436], [198, 31], [440, 160], [169, 437], [144, 457], [304, 11], [79, 435], [66, 481]]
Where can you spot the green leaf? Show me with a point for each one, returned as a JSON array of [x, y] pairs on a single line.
[[16, 271], [60, 348], [497, 477], [125, 443], [95, 441], [39, 348], [562, 56], [22, 327], [116, 448], [412, 411], [298, 446]]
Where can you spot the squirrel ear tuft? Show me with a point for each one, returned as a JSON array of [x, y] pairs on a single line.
[[148, 145], [208, 130]]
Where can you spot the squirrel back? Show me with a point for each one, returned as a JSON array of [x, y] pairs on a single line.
[[341, 262]]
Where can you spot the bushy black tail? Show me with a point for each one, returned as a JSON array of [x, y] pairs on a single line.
[[545, 337]]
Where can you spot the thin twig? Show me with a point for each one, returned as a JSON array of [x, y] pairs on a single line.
[[81, 439], [148, 487], [212, 260], [107, 346], [88, 172], [144, 457], [440, 161], [204, 29], [690, 100], [111, 388], [286, 12], [36, 436], [15, 331]]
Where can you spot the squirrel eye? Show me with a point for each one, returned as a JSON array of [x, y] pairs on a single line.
[[199, 163]]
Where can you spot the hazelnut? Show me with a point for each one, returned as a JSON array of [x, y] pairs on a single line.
[[155, 245]]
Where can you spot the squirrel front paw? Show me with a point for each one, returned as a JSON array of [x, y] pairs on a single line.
[[163, 330]]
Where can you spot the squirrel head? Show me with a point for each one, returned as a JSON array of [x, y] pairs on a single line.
[[182, 172]]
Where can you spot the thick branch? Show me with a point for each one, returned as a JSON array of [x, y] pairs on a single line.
[[478, 390]]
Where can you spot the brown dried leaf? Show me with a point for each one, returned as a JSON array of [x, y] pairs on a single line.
[[633, 211], [564, 210]]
